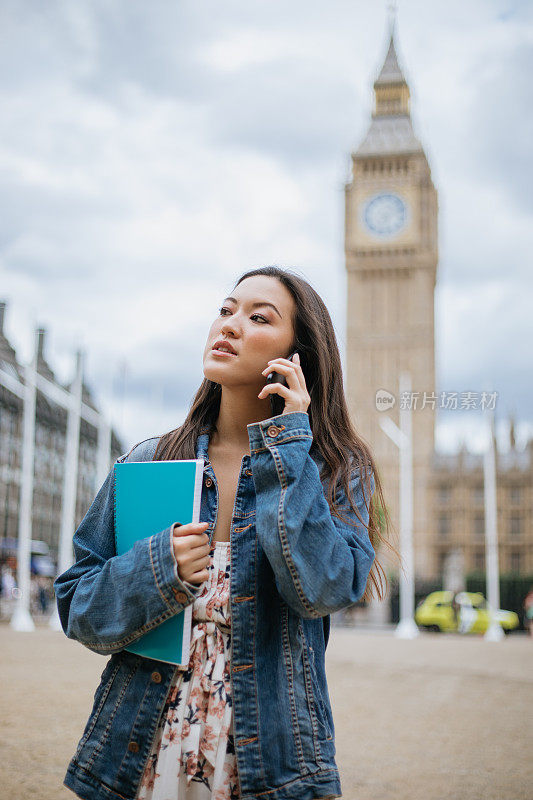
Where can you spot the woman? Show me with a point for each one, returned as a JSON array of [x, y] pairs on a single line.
[[288, 537]]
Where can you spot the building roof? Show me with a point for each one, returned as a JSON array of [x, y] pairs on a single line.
[[390, 71], [465, 461], [8, 358], [391, 130], [392, 134]]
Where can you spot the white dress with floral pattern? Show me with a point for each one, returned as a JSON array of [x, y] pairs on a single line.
[[193, 753]]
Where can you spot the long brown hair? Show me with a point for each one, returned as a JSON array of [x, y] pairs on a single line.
[[334, 435]]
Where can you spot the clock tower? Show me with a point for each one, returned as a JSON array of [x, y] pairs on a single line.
[[391, 262]]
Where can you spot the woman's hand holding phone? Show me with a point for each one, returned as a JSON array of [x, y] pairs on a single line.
[[286, 379], [191, 549]]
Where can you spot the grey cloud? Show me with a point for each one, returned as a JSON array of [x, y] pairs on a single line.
[[166, 370], [309, 119], [69, 73], [103, 44], [155, 49], [501, 124]]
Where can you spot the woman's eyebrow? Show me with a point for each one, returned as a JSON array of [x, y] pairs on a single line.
[[256, 304]]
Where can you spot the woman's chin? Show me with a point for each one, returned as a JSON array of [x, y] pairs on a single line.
[[215, 375]]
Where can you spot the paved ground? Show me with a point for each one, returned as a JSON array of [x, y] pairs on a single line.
[[437, 718]]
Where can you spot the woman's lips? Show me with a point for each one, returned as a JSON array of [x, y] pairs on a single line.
[[223, 353]]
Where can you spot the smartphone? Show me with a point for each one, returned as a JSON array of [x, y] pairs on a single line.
[[277, 402]]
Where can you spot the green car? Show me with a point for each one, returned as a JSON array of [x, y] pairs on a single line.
[[462, 612]]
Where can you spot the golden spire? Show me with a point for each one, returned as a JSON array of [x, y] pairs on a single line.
[[390, 87], [390, 130]]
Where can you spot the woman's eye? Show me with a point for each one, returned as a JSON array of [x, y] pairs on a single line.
[[253, 315]]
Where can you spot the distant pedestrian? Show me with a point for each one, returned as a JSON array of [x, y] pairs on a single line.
[[8, 582], [456, 609], [7, 594], [43, 595]]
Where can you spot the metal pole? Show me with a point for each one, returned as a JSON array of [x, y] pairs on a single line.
[[494, 632], [406, 628], [402, 438], [70, 475], [70, 480], [103, 453], [21, 619]]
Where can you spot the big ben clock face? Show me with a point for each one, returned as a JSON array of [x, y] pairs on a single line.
[[385, 214]]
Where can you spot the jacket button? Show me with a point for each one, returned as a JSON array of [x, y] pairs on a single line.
[[273, 431], [156, 677], [208, 481], [247, 471], [133, 747], [181, 597]]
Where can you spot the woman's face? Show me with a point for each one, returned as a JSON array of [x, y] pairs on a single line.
[[256, 331]]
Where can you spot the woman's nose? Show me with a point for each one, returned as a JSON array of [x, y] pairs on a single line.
[[227, 329]]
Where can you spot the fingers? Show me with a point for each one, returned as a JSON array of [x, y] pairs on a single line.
[[193, 563], [275, 388], [194, 531], [199, 563], [290, 369], [199, 577], [191, 527], [192, 542]]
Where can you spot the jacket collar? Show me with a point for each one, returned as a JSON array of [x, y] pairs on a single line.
[[202, 445]]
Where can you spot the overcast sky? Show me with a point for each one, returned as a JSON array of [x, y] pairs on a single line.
[[151, 152]]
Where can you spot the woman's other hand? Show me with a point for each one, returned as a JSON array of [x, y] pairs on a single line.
[[191, 549]]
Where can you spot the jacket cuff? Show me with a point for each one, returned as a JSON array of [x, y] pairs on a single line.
[[279, 429]]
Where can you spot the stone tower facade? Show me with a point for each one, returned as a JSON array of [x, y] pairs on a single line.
[[391, 261]]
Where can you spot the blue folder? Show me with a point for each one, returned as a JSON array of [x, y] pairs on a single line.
[[149, 497]]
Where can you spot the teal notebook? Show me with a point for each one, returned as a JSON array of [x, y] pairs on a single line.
[[149, 497]]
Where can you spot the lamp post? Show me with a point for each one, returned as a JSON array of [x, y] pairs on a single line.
[[494, 632], [70, 478], [21, 619], [403, 438]]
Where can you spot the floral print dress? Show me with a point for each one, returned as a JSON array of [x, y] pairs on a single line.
[[193, 754]]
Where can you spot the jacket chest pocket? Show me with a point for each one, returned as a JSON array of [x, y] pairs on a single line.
[[318, 699]]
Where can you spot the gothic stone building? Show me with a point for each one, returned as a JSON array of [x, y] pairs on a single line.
[[455, 492], [50, 437]]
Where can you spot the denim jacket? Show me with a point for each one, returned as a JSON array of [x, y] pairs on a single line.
[[292, 565]]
